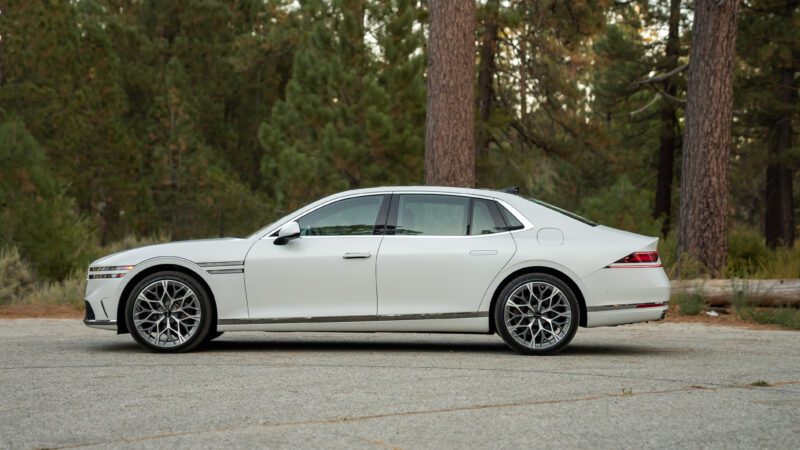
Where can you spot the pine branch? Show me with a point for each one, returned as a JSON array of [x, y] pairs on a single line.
[[662, 77]]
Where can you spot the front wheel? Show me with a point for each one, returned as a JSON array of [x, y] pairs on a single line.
[[169, 312], [537, 314]]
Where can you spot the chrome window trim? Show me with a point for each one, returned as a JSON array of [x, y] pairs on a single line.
[[300, 216], [525, 222]]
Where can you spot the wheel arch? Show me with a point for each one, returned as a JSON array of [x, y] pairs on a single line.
[[538, 269], [122, 326]]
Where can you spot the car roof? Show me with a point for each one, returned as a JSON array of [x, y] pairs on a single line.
[[432, 189]]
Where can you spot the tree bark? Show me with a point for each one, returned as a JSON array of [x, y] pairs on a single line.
[[779, 213], [450, 121], [669, 124], [702, 234], [487, 68], [779, 197]]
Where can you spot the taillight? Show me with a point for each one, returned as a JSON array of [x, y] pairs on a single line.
[[637, 259]]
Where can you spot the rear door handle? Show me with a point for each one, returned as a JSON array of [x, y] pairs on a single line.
[[482, 252], [356, 255]]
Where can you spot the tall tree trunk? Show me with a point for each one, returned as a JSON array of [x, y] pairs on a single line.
[[669, 124], [703, 230], [779, 199], [779, 214], [486, 72], [450, 123]]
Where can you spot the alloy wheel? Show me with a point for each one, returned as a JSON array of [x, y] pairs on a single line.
[[537, 314], [166, 313]]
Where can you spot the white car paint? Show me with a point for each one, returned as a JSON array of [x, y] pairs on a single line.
[[406, 283]]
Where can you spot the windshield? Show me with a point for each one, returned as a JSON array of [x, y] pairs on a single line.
[[563, 211]]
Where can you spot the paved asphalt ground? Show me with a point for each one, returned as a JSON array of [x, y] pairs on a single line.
[[649, 385]]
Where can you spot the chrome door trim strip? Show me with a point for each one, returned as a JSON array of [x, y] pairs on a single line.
[[628, 306], [324, 319], [221, 263]]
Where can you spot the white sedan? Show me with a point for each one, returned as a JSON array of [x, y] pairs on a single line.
[[394, 259]]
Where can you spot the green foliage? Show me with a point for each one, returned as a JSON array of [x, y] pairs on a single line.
[[747, 253], [69, 292], [689, 303], [16, 279], [622, 205], [341, 125], [36, 215], [786, 316], [783, 263]]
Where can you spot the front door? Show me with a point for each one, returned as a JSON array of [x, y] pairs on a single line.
[[326, 273]]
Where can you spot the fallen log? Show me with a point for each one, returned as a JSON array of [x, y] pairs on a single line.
[[751, 292]]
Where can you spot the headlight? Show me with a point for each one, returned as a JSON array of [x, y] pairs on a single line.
[[109, 271]]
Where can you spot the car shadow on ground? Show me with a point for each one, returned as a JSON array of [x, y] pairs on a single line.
[[233, 345]]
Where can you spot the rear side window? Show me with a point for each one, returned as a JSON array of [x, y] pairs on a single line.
[[512, 223], [432, 215], [486, 218]]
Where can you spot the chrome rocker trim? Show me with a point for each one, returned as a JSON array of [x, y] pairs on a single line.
[[279, 320], [628, 306]]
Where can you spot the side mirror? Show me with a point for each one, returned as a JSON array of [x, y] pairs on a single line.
[[287, 232]]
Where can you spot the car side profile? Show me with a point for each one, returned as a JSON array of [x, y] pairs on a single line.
[[392, 259]]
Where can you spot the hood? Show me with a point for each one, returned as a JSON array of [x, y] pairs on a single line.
[[197, 251]]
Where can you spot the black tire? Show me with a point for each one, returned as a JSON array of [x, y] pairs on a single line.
[[213, 335], [567, 332], [203, 328]]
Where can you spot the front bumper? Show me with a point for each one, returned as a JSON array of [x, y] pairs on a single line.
[[90, 319]]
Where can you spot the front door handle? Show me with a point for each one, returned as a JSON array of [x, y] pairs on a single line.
[[356, 255]]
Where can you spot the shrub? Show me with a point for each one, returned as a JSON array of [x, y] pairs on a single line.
[[747, 253], [69, 291], [690, 303], [16, 279], [781, 263]]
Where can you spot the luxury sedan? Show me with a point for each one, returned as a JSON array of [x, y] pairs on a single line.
[[393, 259]]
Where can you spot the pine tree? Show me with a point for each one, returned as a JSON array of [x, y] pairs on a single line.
[[335, 129], [703, 228]]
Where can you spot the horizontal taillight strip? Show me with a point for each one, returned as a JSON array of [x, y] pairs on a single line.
[[637, 260], [632, 266]]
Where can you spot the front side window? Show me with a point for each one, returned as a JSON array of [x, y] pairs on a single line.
[[349, 217], [432, 215]]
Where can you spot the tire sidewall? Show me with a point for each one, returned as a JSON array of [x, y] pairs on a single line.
[[502, 298], [205, 311]]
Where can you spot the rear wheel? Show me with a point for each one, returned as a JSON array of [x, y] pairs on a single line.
[[537, 314], [169, 312]]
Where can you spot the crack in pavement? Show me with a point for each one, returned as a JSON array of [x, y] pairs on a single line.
[[479, 407], [373, 366]]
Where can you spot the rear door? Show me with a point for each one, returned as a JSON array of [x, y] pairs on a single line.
[[440, 253]]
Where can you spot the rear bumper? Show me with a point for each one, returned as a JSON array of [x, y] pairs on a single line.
[[625, 314], [626, 295]]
